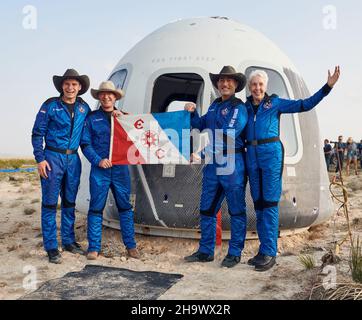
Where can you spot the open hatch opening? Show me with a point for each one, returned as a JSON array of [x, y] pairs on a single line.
[[171, 91]]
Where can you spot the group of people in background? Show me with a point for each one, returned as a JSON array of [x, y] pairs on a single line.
[[349, 152]]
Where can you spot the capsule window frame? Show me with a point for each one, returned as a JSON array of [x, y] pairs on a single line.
[[205, 94], [128, 69], [297, 156]]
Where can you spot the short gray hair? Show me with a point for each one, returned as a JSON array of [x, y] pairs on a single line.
[[259, 73]]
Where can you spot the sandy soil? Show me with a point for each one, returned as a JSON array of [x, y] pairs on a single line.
[[21, 249]]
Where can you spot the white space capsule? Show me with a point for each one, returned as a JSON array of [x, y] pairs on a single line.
[[171, 66]]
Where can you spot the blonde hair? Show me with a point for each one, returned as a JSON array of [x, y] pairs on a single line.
[[259, 73]]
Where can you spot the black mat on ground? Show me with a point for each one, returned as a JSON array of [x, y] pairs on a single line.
[[106, 283]]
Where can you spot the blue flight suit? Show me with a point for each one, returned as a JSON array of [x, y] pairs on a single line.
[[62, 135], [96, 146], [230, 118], [264, 161]]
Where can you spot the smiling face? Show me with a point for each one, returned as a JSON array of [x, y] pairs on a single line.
[[226, 86], [71, 88], [107, 100], [257, 88]]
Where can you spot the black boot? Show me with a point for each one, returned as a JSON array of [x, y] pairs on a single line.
[[54, 256], [230, 261], [74, 248], [264, 263], [199, 257], [254, 260]]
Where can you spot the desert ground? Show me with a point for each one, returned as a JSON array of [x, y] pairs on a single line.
[[21, 250]]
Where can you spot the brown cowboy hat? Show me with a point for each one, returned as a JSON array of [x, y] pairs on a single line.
[[229, 71], [72, 74], [107, 86]]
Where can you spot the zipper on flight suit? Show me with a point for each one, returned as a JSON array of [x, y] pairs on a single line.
[[72, 116], [256, 155], [71, 127], [255, 120]]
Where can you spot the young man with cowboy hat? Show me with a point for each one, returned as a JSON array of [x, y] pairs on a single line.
[[60, 124], [225, 121], [104, 176]]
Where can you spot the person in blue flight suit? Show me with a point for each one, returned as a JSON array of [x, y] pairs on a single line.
[[95, 145], [265, 155], [60, 123], [225, 121]]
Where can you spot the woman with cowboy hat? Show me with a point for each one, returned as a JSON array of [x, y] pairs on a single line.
[[60, 123], [224, 122], [104, 176], [265, 155]]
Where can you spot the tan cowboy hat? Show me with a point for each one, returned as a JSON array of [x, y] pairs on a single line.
[[71, 74], [229, 71], [107, 86]]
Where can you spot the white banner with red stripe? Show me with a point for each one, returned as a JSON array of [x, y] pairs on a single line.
[[159, 138]]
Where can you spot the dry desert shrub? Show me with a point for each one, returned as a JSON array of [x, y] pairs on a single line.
[[16, 163], [356, 261], [307, 261], [342, 291]]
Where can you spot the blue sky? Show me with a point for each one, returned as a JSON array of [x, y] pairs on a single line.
[[92, 36]]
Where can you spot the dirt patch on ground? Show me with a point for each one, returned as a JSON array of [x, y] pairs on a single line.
[[21, 250]]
